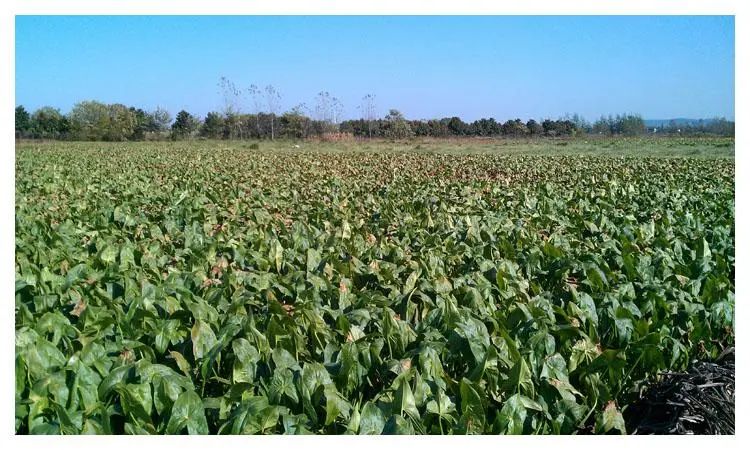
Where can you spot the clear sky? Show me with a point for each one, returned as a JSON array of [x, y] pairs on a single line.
[[502, 66]]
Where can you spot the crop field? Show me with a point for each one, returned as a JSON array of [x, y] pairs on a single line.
[[365, 288]]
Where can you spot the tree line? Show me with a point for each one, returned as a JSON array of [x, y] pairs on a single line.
[[719, 126], [92, 121], [97, 121], [394, 125]]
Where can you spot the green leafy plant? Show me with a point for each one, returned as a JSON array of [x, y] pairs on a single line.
[[174, 288]]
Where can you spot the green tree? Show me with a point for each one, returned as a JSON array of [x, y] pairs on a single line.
[[601, 126], [122, 123], [485, 127], [420, 127], [438, 127], [581, 124], [294, 123], [142, 124], [632, 125], [23, 121], [184, 125], [534, 127], [720, 126], [49, 123], [515, 128], [213, 126], [160, 120], [458, 127], [89, 121], [96, 121], [396, 126]]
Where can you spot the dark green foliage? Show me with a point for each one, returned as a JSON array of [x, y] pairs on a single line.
[[534, 127], [175, 288], [517, 128], [95, 121], [49, 123], [23, 122], [184, 125], [395, 126], [213, 126], [91, 120], [457, 127], [558, 127], [148, 123], [626, 124], [454, 126]]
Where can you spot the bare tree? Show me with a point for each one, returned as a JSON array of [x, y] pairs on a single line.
[[232, 97], [229, 93], [369, 111], [337, 110], [273, 98], [257, 96], [328, 110], [301, 109], [323, 105], [303, 112]]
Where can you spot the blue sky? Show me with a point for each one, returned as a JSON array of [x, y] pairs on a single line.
[[426, 66]]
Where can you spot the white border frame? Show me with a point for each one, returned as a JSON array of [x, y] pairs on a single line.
[[359, 7]]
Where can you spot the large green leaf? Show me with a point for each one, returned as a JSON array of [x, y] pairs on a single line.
[[187, 412], [371, 419], [203, 338]]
